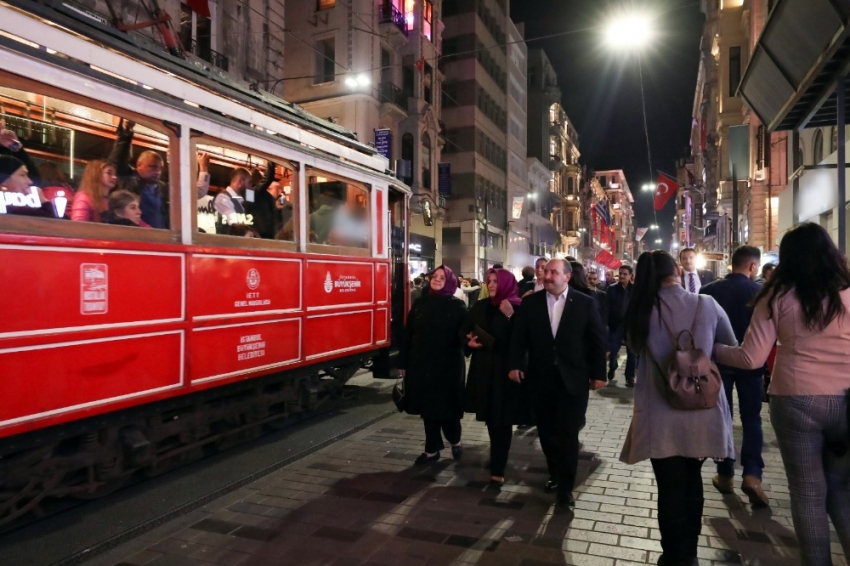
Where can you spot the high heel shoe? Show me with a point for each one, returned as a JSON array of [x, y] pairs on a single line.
[[424, 458]]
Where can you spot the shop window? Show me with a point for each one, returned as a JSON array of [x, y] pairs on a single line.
[[338, 213], [248, 196], [80, 167]]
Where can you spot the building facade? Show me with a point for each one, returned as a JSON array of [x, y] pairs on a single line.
[[372, 68], [618, 236], [475, 109]]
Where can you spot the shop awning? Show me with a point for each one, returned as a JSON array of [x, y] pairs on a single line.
[[790, 82]]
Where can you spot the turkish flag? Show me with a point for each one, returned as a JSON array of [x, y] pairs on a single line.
[[200, 7], [664, 191]]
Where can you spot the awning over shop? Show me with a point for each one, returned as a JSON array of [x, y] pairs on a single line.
[[791, 78]]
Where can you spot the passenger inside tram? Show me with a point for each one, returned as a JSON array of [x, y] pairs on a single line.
[[339, 214], [90, 202], [19, 195], [124, 210]]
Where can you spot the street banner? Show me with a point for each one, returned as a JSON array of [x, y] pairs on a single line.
[[384, 142], [640, 233], [665, 190], [516, 209], [444, 176]]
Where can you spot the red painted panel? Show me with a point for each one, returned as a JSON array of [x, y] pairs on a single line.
[[220, 285], [381, 326], [382, 282], [337, 283], [220, 352], [336, 333], [81, 374], [73, 288]]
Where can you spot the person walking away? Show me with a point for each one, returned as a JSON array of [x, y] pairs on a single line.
[[416, 292], [676, 442], [490, 394], [432, 364], [804, 306], [735, 294], [558, 350], [618, 296], [526, 284], [692, 278]]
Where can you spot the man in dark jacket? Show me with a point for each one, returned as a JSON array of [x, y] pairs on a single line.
[[266, 208], [735, 294], [526, 284], [558, 349], [618, 296]]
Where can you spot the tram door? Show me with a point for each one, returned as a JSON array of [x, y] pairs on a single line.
[[387, 359]]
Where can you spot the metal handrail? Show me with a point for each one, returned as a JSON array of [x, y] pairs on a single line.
[[391, 14]]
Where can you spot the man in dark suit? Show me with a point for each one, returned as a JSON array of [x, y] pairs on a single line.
[[618, 296], [735, 294], [692, 278], [558, 349], [526, 284]]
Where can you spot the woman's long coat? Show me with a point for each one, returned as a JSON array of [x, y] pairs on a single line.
[[490, 393], [432, 355]]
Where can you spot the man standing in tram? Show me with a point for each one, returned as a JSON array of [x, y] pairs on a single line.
[[230, 203]]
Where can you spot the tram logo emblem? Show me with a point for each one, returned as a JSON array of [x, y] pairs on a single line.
[[94, 288], [253, 279], [329, 283]]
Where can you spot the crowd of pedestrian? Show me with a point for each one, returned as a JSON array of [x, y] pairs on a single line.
[[538, 346]]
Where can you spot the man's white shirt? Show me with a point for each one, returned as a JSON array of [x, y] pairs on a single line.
[[556, 306], [697, 283]]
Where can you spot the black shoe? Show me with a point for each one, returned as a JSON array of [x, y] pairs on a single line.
[[523, 426], [611, 374], [630, 383], [565, 499], [426, 459], [457, 452], [551, 486]]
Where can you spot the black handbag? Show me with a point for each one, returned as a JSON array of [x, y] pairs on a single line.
[[398, 395]]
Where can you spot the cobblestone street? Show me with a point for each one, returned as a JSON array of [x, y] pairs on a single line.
[[361, 501]]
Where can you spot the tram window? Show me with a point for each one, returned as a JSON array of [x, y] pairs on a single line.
[[75, 158], [248, 196], [338, 212]]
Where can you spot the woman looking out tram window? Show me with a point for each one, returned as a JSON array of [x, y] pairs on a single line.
[[432, 364], [490, 394], [124, 210], [99, 178]]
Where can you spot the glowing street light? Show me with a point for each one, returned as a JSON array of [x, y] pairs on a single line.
[[658, 241], [654, 227], [352, 81], [630, 30], [648, 187]]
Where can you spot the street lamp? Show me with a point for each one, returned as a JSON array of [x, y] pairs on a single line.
[[648, 187], [629, 30], [658, 241], [654, 227]]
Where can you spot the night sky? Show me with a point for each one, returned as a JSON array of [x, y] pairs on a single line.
[[601, 88]]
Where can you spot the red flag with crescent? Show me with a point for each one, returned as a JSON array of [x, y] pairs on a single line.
[[665, 190]]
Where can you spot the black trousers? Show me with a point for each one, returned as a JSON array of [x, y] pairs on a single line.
[[680, 502], [500, 445], [433, 438], [559, 417]]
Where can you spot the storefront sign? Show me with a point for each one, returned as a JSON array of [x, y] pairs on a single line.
[[422, 246], [384, 142]]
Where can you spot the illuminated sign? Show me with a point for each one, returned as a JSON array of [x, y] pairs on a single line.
[[8, 198], [415, 248]]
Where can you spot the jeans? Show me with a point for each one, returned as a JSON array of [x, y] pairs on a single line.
[[500, 446], [750, 394], [433, 438], [680, 502], [812, 436], [615, 341]]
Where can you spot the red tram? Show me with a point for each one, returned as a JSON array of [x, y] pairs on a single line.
[[127, 349]]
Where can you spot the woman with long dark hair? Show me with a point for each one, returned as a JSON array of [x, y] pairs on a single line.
[[578, 281], [490, 394], [804, 306], [432, 364], [676, 442]]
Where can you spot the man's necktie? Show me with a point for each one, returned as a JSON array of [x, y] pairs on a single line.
[[692, 284]]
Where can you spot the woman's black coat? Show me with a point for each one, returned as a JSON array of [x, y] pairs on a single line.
[[432, 356], [490, 393]]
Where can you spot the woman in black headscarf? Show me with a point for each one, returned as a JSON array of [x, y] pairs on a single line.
[[432, 364]]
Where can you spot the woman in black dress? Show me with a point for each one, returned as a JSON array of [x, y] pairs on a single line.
[[490, 394], [432, 364]]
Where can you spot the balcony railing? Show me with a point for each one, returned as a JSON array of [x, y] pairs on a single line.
[[212, 57], [388, 92], [389, 14]]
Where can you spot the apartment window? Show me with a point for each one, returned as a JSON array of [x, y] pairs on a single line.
[[817, 148], [426, 161], [386, 67], [734, 69], [407, 80], [325, 61], [327, 4], [427, 18], [195, 33], [427, 80], [407, 154]]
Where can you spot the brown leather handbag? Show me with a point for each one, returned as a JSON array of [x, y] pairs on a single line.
[[692, 381]]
